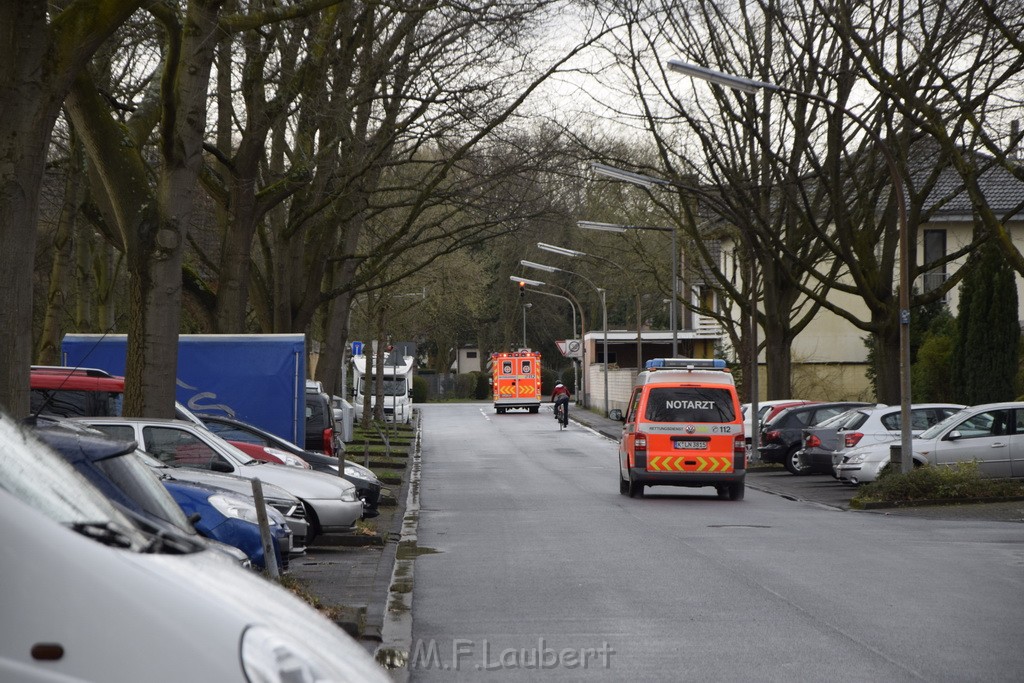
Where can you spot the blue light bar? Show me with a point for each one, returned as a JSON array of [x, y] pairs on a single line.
[[685, 364]]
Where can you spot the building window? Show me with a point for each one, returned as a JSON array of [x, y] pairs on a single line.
[[934, 249], [470, 354]]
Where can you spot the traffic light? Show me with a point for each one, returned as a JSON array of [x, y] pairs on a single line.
[[522, 289]]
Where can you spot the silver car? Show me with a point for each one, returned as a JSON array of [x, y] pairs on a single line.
[[869, 426], [991, 435], [89, 596], [332, 505]]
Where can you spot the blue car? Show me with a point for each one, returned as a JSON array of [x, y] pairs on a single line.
[[116, 468], [229, 518]]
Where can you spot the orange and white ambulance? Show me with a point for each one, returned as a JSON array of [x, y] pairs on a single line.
[[515, 379], [683, 427]]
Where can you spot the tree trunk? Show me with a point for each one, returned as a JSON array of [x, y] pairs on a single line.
[[887, 358], [152, 362], [28, 108], [57, 293], [37, 64]]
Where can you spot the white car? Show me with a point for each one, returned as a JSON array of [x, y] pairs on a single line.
[[332, 503], [868, 426], [91, 597], [990, 434]]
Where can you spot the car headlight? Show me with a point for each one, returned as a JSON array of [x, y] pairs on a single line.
[[856, 459], [232, 506], [287, 458], [356, 471], [349, 495], [272, 657]]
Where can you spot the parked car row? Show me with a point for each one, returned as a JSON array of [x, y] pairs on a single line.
[[103, 592], [825, 444], [782, 435], [310, 494], [118, 470], [855, 442], [991, 435]]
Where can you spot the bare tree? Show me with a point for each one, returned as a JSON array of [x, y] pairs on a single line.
[[42, 49]]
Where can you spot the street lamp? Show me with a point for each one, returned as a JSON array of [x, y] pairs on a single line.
[[526, 307], [573, 253], [748, 85], [613, 227], [573, 305], [579, 382], [647, 182], [604, 313]]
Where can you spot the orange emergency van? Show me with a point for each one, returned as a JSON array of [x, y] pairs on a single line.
[[515, 379], [683, 427]]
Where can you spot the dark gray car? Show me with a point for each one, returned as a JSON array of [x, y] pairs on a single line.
[[782, 436]]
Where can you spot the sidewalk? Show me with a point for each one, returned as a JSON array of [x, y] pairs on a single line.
[[357, 580]]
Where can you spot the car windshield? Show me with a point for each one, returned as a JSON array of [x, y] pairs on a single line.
[[392, 387], [841, 420], [690, 404], [936, 429], [143, 485], [33, 473]]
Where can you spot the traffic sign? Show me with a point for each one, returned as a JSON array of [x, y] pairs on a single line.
[[357, 348]]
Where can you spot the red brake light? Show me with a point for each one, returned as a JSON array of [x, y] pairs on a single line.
[[739, 444], [852, 438], [639, 442], [773, 435], [328, 441], [812, 441]]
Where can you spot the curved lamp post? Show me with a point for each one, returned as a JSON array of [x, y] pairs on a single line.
[[604, 314], [573, 253], [751, 86], [646, 182], [573, 305], [614, 227]]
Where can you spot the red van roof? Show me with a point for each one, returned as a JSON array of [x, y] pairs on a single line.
[[74, 379]]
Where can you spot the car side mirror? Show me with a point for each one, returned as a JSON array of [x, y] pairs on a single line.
[[954, 435], [615, 414]]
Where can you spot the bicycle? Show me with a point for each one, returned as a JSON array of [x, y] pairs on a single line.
[[561, 416]]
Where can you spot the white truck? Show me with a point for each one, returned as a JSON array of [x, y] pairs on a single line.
[[397, 385]]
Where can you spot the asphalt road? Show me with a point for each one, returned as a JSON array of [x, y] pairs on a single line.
[[534, 567]]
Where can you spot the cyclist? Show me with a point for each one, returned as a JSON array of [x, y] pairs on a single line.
[[561, 395]]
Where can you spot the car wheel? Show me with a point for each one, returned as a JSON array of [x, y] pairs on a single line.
[[736, 491], [623, 485], [793, 465], [535, 409], [634, 488], [723, 491]]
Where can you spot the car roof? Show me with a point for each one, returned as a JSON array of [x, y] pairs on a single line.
[[138, 420], [79, 443], [818, 406], [74, 379]]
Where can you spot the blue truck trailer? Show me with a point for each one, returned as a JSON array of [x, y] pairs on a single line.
[[256, 378]]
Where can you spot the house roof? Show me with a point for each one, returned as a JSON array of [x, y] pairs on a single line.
[[949, 199]]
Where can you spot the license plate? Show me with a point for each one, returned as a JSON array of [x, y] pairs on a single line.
[[691, 445]]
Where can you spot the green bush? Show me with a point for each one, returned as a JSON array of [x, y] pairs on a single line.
[[483, 386], [420, 389], [960, 481], [548, 377]]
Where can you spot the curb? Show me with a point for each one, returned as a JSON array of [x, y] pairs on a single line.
[[396, 631], [931, 502]]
